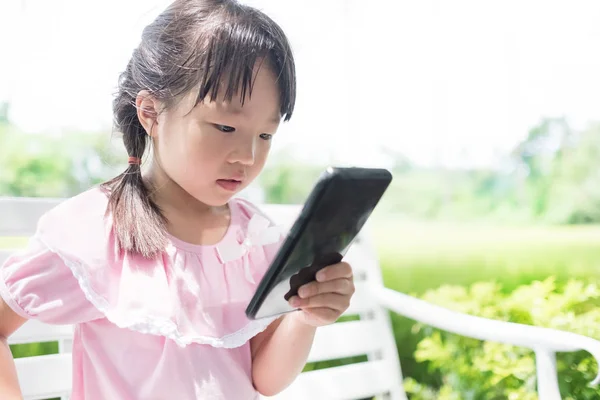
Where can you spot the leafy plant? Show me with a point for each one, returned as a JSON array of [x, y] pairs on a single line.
[[476, 370]]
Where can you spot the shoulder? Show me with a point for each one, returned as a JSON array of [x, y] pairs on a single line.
[[90, 203], [78, 224]]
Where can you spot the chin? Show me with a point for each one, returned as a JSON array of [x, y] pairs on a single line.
[[215, 200]]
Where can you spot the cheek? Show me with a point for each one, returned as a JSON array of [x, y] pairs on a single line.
[[261, 156], [182, 150], [181, 139], [171, 135], [173, 152]]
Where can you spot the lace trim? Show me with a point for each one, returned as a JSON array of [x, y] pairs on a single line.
[[153, 325]]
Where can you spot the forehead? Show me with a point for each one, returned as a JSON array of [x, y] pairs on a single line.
[[262, 98]]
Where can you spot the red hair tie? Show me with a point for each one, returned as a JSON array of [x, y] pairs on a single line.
[[134, 161]]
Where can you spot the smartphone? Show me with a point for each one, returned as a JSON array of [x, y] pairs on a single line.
[[336, 210]]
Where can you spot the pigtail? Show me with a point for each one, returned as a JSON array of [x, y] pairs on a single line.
[[138, 224]]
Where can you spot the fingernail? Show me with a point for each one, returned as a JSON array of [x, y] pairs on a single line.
[[320, 276], [302, 292], [294, 301]]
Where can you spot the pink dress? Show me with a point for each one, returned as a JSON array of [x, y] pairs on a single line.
[[172, 328]]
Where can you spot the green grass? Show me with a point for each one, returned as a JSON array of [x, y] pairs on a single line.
[[33, 349], [419, 256]]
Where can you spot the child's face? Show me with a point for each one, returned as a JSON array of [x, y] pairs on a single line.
[[219, 147]]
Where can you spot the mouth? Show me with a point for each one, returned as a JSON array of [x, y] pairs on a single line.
[[230, 185]]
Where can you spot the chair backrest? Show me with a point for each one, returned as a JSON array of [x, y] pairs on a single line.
[[363, 341], [45, 376]]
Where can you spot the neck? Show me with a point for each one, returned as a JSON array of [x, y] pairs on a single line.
[[184, 213], [170, 197]]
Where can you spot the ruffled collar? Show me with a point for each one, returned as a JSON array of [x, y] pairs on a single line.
[[259, 233], [137, 294]]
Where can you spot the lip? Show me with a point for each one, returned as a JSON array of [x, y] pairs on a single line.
[[230, 185]]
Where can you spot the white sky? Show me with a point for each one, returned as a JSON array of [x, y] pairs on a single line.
[[443, 81]]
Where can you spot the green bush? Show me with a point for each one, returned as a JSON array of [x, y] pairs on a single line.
[[474, 370], [416, 257]]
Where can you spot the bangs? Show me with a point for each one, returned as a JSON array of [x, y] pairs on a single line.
[[228, 56]]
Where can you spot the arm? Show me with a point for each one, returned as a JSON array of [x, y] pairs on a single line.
[[9, 322], [280, 352]]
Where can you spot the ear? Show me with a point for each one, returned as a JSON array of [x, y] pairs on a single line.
[[147, 111]]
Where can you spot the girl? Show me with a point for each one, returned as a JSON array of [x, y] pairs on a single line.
[[155, 270]]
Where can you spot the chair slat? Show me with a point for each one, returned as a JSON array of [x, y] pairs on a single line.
[[345, 339], [360, 257], [19, 216], [353, 381], [34, 331], [362, 302], [45, 377]]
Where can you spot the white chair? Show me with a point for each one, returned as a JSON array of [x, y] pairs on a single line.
[[368, 334]]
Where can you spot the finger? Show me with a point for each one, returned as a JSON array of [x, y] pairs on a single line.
[[329, 300], [335, 271], [341, 286]]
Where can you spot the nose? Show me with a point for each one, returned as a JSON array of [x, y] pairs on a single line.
[[244, 152]]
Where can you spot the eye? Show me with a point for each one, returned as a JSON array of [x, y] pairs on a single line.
[[266, 136], [225, 128]]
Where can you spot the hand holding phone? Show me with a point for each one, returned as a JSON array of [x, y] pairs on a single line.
[[323, 300]]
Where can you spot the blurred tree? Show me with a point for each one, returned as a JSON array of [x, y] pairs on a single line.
[[552, 175], [575, 194], [562, 172], [43, 165], [540, 155]]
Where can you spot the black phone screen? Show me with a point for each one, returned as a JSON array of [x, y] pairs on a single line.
[[333, 215]]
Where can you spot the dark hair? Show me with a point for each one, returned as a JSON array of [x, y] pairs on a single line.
[[193, 44]]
